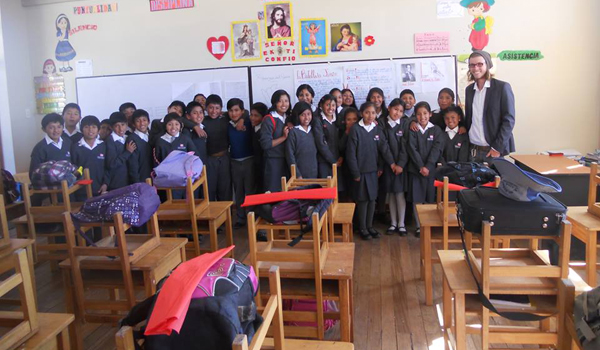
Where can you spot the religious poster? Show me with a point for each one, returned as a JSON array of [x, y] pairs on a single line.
[[50, 92], [313, 37], [278, 21], [245, 39], [346, 37]]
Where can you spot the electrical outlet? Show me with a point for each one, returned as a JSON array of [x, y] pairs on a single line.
[[28, 114]]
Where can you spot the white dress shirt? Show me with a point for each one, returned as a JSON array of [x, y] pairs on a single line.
[[169, 138], [143, 136], [300, 127], [55, 144], [118, 138], [367, 127], [393, 122], [276, 115], [476, 133], [427, 127], [97, 141], [325, 118], [451, 132]]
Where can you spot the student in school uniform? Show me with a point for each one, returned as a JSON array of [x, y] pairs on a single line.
[[201, 99], [157, 128], [337, 94], [365, 142], [105, 129], [128, 108], [195, 113], [424, 149], [326, 135], [347, 101], [306, 93], [300, 146], [456, 145], [242, 156], [377, 97], [219, 165], [53, 146], [350, 116], [258, 111], [172, 140], [408, 97], [90, 153], [118, 152], [445, 100], [394, 183], [140, 163], [72, 115], [273, 134]]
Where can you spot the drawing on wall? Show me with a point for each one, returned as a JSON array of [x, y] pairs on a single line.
[[346, 36], [481, 27], [49, 68], [313, 37], [64, 51], [246, 41], [217, 46], [278, 20]]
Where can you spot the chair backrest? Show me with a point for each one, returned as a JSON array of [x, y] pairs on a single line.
[[593, 204], [194, 206], [4, 234], [307, 257], [100, 255]]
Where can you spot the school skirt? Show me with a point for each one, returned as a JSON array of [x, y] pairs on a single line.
[[420, 188], [275, 168], [392, 183], [366, 188]]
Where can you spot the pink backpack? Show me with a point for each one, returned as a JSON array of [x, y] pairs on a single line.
[[224, 275], [311, 305]]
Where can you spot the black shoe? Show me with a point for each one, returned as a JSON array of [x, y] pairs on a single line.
[[373, 232], [391, 230], [261, 236], [402, 231], [365, 235], [418, 232]]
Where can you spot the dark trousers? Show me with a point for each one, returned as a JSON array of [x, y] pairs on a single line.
[[242, 174], [365, 210], [478, 154], [219, 178]]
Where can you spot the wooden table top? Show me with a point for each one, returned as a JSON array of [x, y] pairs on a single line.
[[50, 326], [15, 244], [460, 279], [148, 262], [555, 165], [581, 216]]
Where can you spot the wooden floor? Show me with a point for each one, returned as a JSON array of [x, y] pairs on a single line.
[[388, 296]]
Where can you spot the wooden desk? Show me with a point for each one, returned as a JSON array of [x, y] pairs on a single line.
[[572, 176], [458, 283], [27, 244], [339, 266], [53, 333], [585, 228], [154, 266]]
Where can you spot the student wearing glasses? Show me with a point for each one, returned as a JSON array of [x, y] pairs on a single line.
[[489, 111]]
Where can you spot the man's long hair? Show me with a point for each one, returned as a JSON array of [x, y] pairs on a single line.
[[273, 15]]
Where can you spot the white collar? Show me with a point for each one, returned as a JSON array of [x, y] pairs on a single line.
[[97, 141], [452, 132], [71, 134], [257, 127], [339, 109], [393, 122], [169, 138], [429, 126], [313, 108], [55, 144], [366, 127], [325, 118], [300, 127], [486, 85], [143, 136], [116, 137], [379, 114], [276, 115]]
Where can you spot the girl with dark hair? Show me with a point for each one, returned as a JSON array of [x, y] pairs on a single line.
[[348, 99], [326, 134], [337, 93], [305, 93], [456, 145], [366, 143], [349, 116], [300, 146], [445, 100], [377, 97], [273, 134]]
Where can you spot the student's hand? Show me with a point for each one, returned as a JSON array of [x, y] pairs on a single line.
[[131, 146], [399, 170], [414, 126], [424, 171], [340, 161], [462, 130], [200, 132], [379, 172], [103, 189], [239, 126], [493, 153], [357, 179], [286, 131]]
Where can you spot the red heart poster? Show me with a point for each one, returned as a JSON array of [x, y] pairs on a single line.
[[217, 47]]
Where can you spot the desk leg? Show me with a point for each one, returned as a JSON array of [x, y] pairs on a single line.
[[63, 340], [591, 258], [212, 229], [460, 322], [229, 231], [182, 253], [345, 320], [149, 283], [29, 252], [422, 259], [75, 328], [426, 230], [447, 312]]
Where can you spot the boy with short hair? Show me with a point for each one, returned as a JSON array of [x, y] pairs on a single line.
[[105, 129], [139, 164], [257, 114], [53, 146], [195, 113], [90, 153], [218, 167], [128, 108], [118, 151], [72, 115], [157, 127]]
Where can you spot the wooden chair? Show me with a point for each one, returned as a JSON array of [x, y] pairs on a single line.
[[302, 265], [15, 209], [567, 336], [53, 333], [24, 324], [194, 211], [59, 202], [4, 234], [586, 225]]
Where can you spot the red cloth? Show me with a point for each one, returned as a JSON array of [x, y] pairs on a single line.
[[175, 296], [319, 193], [454, 187]]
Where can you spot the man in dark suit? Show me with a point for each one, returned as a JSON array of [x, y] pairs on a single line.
[[490, 111]]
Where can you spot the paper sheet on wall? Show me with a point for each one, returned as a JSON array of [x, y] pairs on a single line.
[[321, 78], [433, 75], [237, 89], [264, 85], [449, 9], [186, 91], [408, 75], [84, 68], [360, 78]]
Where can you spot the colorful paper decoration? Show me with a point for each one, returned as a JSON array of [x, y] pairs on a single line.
[[280, 51], [162, 5], [369, 40], [520, 55], [102, 8], [218, 46], [50, 93]]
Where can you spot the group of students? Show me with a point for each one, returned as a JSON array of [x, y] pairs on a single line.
[[386, 153]]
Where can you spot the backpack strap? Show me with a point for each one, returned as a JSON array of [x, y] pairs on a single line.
[[272, 121]]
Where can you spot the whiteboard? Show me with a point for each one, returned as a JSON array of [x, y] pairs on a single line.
[[101, 96], [431, 74]]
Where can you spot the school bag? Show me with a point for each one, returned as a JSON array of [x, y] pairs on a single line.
[[11, 191], [221, 307], [50, 174], [174, 170], [311, 305], [587, 318], [467, 174]]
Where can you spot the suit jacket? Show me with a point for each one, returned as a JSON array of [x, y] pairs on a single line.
[[498, 115]]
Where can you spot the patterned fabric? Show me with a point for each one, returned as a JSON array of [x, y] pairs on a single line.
[[50, 174]]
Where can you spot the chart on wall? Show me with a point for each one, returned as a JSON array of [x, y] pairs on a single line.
[[100, 96]]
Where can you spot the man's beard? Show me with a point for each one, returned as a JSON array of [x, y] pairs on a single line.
[[280, 22]]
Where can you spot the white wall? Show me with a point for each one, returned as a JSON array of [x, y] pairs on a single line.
[[557, 98]]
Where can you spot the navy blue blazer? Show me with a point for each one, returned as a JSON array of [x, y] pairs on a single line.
[[498, 115]]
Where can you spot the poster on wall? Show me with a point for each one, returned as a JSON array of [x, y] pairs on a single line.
[[163, 5], [346, 37], [313, 37], [50, 95], [409, 74], [278, 20], [436, 42], [320, 77], [64, 52], [245, 37], [360, 78]]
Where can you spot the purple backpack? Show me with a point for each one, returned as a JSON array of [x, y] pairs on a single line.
[[174, 170], [137, 203]]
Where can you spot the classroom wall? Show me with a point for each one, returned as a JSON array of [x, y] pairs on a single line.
[[557, 97]]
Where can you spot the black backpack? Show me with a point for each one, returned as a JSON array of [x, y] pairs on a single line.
[[467, 174]]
